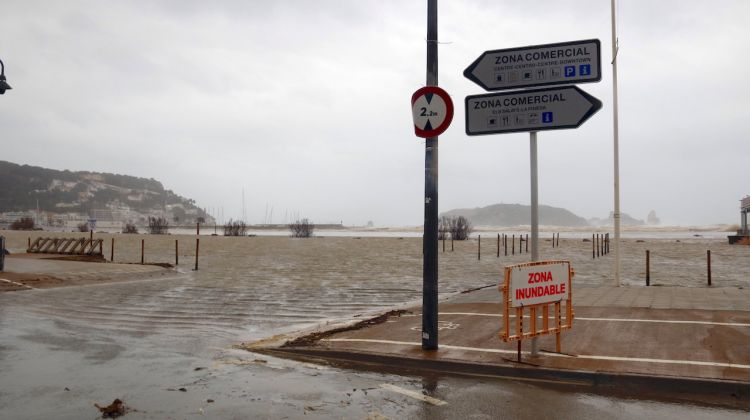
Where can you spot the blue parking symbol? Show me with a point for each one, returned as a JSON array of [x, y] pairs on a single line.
[[584, 69], [570, 71], [546, 117]]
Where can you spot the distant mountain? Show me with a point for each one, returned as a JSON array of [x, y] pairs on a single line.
[[108, 196], [625, 220], [517, 214]]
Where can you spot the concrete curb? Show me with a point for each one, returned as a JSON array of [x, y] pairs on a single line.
[[726, 393]]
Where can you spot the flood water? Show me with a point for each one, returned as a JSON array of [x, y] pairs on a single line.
[[63, 349]]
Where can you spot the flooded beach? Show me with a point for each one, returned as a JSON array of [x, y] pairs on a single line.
[[144, 340]]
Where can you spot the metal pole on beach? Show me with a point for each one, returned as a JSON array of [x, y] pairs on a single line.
[[430, 262], [534, 221], [616, 147]]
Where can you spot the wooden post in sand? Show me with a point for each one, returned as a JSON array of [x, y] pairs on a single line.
[[593, 246], [143, 247], [112, 251], [479, 247], [513, 245], [708, 261], [197, 245], [176, 253], [648, 268], [198, 228], [498, 245]]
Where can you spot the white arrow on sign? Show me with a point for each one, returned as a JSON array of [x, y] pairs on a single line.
[[529, 110], [537, 65]]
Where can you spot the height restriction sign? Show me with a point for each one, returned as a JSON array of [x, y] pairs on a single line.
[[432, 111]]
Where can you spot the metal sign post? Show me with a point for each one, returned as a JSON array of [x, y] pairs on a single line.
[[430, 238], [533, 110], [534, 218]]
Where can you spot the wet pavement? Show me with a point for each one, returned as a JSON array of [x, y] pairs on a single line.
[[146, 337], [629, 339]]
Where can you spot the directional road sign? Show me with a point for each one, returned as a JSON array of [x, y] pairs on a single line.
[[432, 111], [537, 65], [529, 110]]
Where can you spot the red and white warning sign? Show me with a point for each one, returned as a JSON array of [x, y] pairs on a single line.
[[541, 282], [432, 111]]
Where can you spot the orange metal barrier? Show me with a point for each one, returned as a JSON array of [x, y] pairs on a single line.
[[538, 284]]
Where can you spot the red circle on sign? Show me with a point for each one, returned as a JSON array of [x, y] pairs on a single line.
[[443, 122]]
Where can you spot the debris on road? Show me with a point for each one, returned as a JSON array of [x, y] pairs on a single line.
[[116, 409]]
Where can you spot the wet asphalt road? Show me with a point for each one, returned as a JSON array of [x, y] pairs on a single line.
[[165, 347]]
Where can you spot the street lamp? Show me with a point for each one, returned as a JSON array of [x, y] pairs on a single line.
[[3, 84]]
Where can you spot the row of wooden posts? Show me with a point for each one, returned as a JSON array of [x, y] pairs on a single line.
[[599, 244], [143, 250], [502, 240], [648, 267]]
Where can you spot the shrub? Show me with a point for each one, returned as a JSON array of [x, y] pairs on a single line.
[[158, 225], [460, 228], [83, 227], [301, 228], [443, 228], [235, 228], [129, 228], [24, 223]]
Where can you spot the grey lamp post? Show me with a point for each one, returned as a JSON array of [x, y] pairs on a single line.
[[3, 84]]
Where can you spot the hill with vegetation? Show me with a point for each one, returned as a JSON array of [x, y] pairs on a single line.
[[516, 215], [24, 187]]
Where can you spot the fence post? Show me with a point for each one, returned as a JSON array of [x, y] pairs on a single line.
[[479, 247], [112, 251], [513, 244], [143, 245], [648, 268], [527, 243], [708, 260], [451, 243], [176, 253], [607, 243], [2, 253], [197, 245], [593, 246], [597, 245], [498, 245]]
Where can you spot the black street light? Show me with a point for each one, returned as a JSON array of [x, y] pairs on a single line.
[[3, 84]]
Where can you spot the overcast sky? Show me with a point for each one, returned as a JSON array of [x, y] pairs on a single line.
[[305, 104]]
